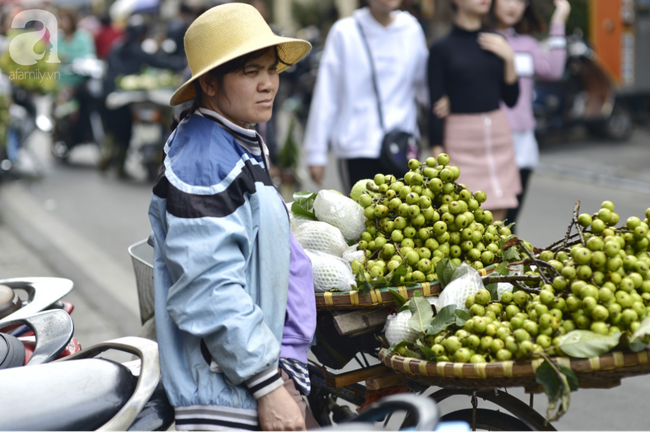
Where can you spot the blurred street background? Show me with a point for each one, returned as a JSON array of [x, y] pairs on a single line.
[[62, 216]]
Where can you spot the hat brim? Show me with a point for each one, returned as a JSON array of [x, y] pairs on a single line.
[[290, 50]]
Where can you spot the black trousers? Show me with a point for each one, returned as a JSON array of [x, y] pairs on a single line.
[[353, 170], [513, 213]]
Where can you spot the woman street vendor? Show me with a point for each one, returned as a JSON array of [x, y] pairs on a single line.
[[235, 307]]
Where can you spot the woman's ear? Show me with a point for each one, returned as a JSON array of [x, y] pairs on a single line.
[[208, 84]]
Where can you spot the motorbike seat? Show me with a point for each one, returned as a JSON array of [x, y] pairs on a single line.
[[12, 351], [70, 395]]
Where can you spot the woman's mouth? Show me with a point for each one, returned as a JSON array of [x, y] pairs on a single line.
[[265, 103]]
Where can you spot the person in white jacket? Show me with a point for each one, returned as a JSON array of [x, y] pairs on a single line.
[[343, 112]]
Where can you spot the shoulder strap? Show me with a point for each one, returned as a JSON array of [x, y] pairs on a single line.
[[373, 73]]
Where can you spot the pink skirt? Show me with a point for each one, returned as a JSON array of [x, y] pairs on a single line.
[[481, 146]]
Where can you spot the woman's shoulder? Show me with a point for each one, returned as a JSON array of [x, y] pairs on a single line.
[[201, 153]]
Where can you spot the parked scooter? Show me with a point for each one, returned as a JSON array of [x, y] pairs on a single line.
[[77, 111], [585, 95], [83, 392], [151, 118]]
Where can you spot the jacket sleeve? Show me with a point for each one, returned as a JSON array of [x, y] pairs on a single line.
[[326, 103], [437, 89], [206, 257], [550, 65], [510, 93]]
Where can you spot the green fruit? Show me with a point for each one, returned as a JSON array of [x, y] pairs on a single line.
[[607, 205], [520, 298], [479, 325], [599, 327], [462, 355], [452, 344], [598, 226], [443, 159], [477, 310], [559, 283], [480, 196], [584, 220], [483, 297]]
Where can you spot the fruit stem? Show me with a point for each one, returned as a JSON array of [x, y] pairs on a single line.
[[576, 211], [534, 260]]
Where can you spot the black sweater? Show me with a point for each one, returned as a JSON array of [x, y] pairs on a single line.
[[471, 77]]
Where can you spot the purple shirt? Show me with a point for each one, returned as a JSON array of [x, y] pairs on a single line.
[[532, 63], [300, 320]]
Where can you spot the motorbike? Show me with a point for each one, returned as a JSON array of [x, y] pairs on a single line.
[[77, 111], [151, 116], [85, 392], [19, 119], [584, 96]]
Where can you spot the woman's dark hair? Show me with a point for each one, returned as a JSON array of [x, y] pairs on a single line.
[[531, 22], [219, 72], [454, 6]]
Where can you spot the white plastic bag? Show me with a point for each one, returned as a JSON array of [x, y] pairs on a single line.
[[466, 282], [330, 272], [397, 328], [320, 236], [352, 254], [340, 211]]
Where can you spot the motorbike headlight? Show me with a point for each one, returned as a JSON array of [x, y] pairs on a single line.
[[44, 123]]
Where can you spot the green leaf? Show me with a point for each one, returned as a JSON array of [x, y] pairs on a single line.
[[445, 317], [502, 269], [511, 254], [445, 271], [492, 288], [558, 389], [399, 300], [429, 354], [585, 344], [549, 379], [397, 274], [418, 294], [300, 211], [461, 317], [367, 286], [421, 314], [411, 353], [639, 338], [401, 347], [303, 197], [405, 307], [571, 377]]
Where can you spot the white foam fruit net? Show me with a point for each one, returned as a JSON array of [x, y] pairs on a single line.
[[330, 272], [320, 236], [340, 211], [466, 282], [397, 328], [352, 254]]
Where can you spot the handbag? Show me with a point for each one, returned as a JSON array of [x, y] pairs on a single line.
[[397, 146]]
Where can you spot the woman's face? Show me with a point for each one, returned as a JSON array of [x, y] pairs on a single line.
[[509, 12], [246, 96], [474, 7]]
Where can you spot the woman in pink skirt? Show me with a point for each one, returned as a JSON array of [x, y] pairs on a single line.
[[475, 70]]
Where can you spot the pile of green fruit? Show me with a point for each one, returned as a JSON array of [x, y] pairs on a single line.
[[149, 79], [414, 222], [596, 281]]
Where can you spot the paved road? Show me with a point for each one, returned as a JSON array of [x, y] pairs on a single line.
[[78, 223]]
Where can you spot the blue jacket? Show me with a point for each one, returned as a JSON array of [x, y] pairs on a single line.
[[221, 272]]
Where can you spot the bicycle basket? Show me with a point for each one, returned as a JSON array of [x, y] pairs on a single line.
[[141, 253]]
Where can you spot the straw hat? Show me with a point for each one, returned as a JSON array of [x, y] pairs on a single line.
[[226, 32]]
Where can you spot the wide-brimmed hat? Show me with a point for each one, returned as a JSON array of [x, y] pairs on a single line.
[[226, 32]]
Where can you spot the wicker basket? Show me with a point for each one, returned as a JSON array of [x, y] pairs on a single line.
[[379, 296], [596, 372]]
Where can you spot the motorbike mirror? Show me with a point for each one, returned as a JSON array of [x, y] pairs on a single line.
[[53, 331], [42, 292]]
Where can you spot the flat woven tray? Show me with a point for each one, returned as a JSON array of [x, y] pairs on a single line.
[[379, 296], [594, 372]]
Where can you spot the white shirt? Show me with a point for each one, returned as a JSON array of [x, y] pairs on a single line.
[[344, 108]]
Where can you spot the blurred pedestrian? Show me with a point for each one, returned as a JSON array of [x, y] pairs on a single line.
[[107, 35], [475, 70], [127, 57], [235, 308], [344, 110], [74, 43], [516, 20]]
